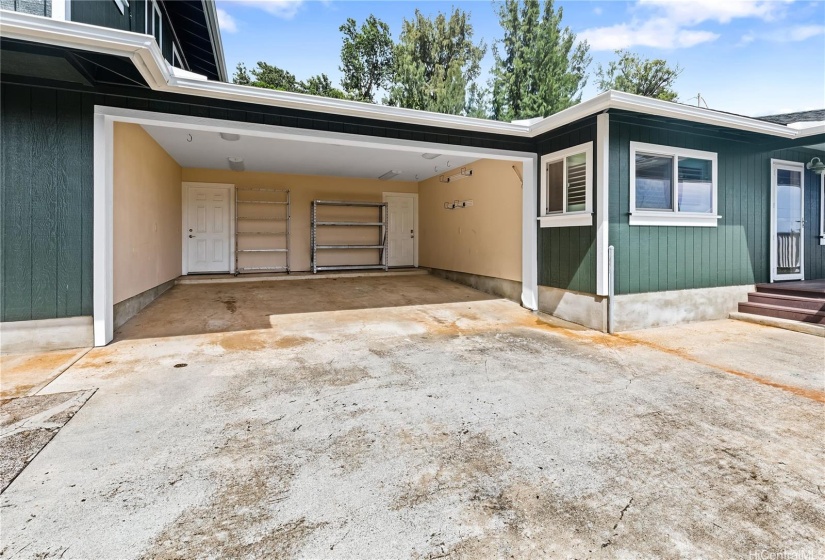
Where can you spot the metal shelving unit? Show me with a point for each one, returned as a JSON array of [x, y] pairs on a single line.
[[315, 223], [246, 217]]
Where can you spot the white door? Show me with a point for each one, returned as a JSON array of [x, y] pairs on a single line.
[[207, 231], [787, 220], [401, 224]]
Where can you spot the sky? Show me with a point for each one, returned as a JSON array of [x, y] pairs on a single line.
[[748, 57]]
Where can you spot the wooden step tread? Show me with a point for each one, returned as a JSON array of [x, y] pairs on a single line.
[[783, 312], [798, 302]]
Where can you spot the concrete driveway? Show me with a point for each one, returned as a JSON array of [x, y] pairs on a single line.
[[459, 426]]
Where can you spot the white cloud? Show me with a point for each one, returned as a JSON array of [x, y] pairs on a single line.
[[793, 34], [668, 24], [597, 11], [721, 11], [656, 33], [284, 9], [226, 22]]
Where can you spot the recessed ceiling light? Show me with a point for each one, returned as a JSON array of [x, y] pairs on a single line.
[[430, 156], [235, 163], [389, 175], [230, 137]]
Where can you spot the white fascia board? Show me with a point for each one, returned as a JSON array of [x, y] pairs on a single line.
[[640, 104], [145, 53]]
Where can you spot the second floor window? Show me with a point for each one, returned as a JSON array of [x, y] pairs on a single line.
[[157, 24]]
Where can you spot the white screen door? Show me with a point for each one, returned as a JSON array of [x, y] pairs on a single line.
[[207, 232], [401, 222], [787, 220]]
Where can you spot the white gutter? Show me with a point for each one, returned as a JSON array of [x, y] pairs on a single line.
[[144, 52]]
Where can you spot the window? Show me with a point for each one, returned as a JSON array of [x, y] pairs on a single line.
[[176, 62], [566, 179], [672, 186], [157, 24], [122, 5]]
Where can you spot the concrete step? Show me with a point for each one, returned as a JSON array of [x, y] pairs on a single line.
[[783, 312], [806, 328], [782, 300]]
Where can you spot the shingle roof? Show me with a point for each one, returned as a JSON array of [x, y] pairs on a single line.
[[801, 116]]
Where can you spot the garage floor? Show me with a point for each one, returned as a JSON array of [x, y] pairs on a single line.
[[424, 419]]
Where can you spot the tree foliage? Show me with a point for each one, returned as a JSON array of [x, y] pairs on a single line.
[[435, 63], [366, 58], [633, 74], [271, 77], [539, 69]]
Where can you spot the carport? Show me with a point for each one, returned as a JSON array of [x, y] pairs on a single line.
[[183, 199]]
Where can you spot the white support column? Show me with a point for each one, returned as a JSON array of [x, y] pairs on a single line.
[[103, 286], [529, 225], [602, 200]]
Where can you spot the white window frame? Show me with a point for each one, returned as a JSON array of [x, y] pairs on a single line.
[[821, 209], [176, 56], [150, 23], [565, 218], [673, 217], [122, 5]]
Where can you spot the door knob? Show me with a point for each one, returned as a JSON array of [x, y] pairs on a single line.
[[190, 236]]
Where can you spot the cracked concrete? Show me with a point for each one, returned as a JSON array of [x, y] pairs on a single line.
[[441, 424]]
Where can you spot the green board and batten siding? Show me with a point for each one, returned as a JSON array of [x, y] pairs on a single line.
[[46, 204], [567, 255], [737, 251]]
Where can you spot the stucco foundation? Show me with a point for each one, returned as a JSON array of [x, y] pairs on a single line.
[[509, 289], [46, 334], [657, 309], [128, 308], [584, 309]]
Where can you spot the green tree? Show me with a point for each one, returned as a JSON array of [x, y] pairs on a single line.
[[366, 58], [320, 85], [435, 61], [271, 77], [241, 75], [633, 74], [539, 68]]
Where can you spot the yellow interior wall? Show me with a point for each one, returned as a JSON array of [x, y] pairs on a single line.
[[147, 213], [304, 189], [484, 239]]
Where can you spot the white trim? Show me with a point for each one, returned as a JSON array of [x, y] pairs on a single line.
[[565, 218], [822, 209], [122, 5], [570, 219], [529, 234], [102, 270], [103, 186], [602, 200], [148, 59], [184, 267], [684, 219], [159, 38], [672, 217], [417, 233], [176, 54], [791, 166], [61, 10]]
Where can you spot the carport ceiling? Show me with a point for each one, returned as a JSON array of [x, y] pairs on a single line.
[[209, 151]]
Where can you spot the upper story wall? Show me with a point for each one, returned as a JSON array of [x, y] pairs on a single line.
[[32, 7], [135, 17]]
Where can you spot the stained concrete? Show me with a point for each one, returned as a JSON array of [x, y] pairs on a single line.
[[449, 424]]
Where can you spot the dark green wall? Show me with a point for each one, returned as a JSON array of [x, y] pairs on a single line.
[[567, 256], [46, 204], [737, 251], [33, 7]]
